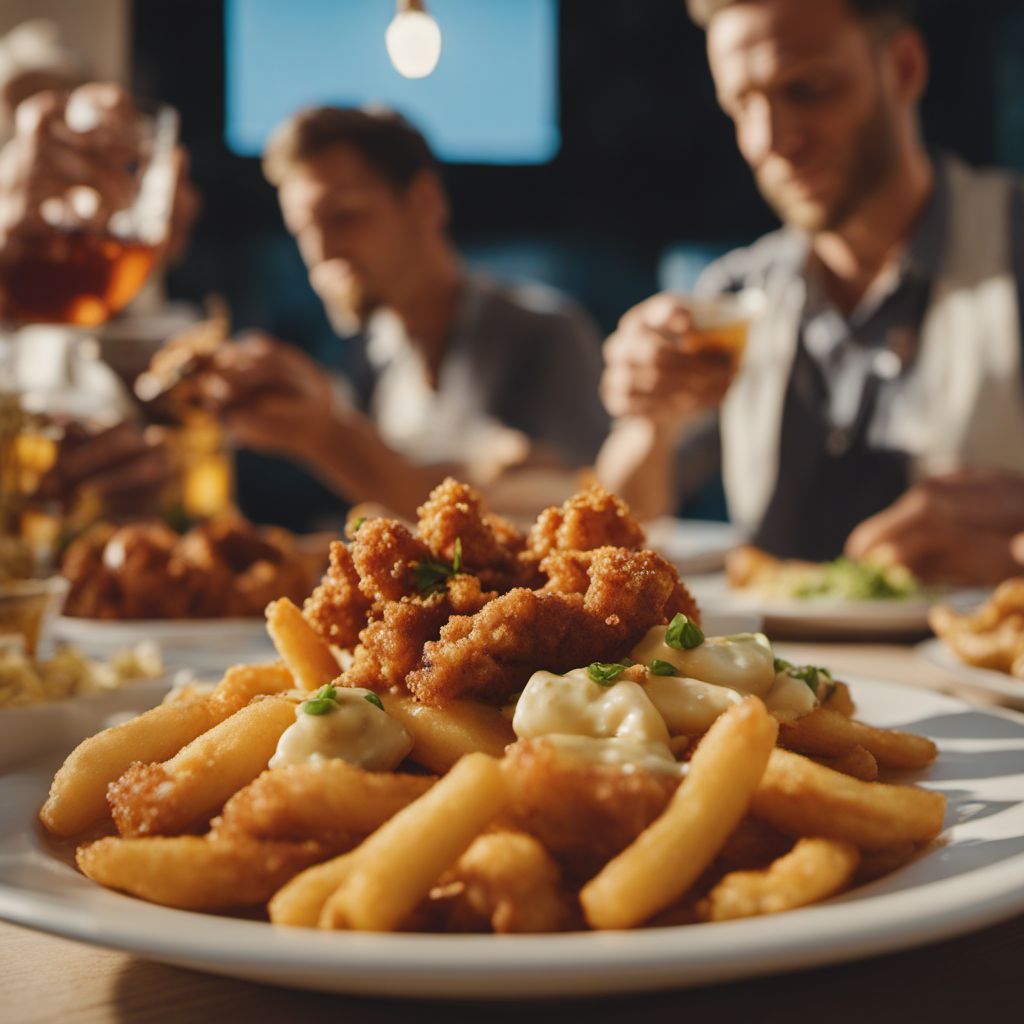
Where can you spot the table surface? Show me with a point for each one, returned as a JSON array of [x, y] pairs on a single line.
[[43, 978]]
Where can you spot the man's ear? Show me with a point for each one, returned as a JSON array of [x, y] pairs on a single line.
[[908, 56], [428, 201]]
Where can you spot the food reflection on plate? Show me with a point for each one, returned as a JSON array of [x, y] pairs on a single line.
[[989, 637], [533, 734], [223, 568]]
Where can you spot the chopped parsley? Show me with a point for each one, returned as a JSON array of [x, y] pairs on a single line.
[[663, 668], [809, 674], [321, 702], [354, 528], [682, 634], [429, 577], [605, 673], [372, 698]]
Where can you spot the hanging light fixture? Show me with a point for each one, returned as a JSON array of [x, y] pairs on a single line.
[[413, 40]]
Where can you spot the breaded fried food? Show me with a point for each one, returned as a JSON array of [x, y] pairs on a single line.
[[594, 518], [331, 801], [454, 513], [582, 812], [337, 608], [493, 653], [385, 554], [392, 646], [505, 883]]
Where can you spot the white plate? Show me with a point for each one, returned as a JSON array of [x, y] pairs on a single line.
[[58, 725], [999, 683], [692, 545], [205, 645], [826, 616], [973, 878]]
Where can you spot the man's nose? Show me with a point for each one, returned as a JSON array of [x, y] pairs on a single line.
[[770, 129]]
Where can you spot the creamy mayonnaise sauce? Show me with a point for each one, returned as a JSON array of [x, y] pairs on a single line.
[[614, 724], [354, 730], [743, 661]]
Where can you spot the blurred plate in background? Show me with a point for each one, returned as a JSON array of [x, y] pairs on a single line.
[[692, 545]]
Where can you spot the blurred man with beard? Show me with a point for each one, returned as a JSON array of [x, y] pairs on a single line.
[[880, 401], [495, 385]]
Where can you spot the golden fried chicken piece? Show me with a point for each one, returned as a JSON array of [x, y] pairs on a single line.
[[493, 653], [92, 585], [593, 518], [583, 813], [392, 646], [331, 801], [489, 544], [337, 609], [506, 883], [384, 554]]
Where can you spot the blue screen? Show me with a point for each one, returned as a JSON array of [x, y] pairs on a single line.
[[493, 97]]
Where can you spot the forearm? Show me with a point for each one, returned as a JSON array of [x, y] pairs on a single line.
[[636, 462], [349, 456]]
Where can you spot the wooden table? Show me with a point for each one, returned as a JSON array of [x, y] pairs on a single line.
[[972, 978]]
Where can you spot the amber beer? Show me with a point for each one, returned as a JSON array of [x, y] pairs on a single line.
[[76, 278], [721, 323]]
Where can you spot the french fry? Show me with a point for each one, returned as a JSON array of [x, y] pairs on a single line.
[[399, 863], [301, 901], [830, 734], [78, 794], [669, 855], [440, 736], [813, 870], [303, 651], [331, 801], [168, 798], [802, 798], [193, 872], [858, 762]]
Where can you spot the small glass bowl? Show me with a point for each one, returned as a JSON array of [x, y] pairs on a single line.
[[27, 607]]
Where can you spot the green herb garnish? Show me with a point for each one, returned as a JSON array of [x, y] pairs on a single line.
[[354, 528], [682, 634], [372, 698], [809, 674], [605, 673], [321, 702], [429, 576], [781, 665], [663, 668]]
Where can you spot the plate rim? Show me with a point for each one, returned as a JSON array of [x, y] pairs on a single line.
[[645, 959], [935, 651]]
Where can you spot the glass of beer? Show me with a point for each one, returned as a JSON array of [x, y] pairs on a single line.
[[91, 250], [721, 323]]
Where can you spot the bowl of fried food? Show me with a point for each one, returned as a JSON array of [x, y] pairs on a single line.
[[983, 646], [527, 733], [201, 594]]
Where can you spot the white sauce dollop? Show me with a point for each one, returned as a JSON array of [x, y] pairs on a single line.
[[354, 730]]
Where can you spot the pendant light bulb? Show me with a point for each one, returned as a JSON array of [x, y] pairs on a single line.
[[413, 40]]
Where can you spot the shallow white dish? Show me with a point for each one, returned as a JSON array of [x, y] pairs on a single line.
[[998, 683], [971, 879], [826, 616], [205, 645], [692, 545]]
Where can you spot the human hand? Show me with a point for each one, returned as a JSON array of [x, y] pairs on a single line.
[[69, 164], [125, 467], [268, 395], [964, 528], [655, 368]]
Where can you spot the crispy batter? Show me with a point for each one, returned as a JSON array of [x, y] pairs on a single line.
[[392, 646], [384, 553], [330, 801], [493, 653], [594, 518], [454, 511], [337, 609], [506, 883], [583, 813]]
